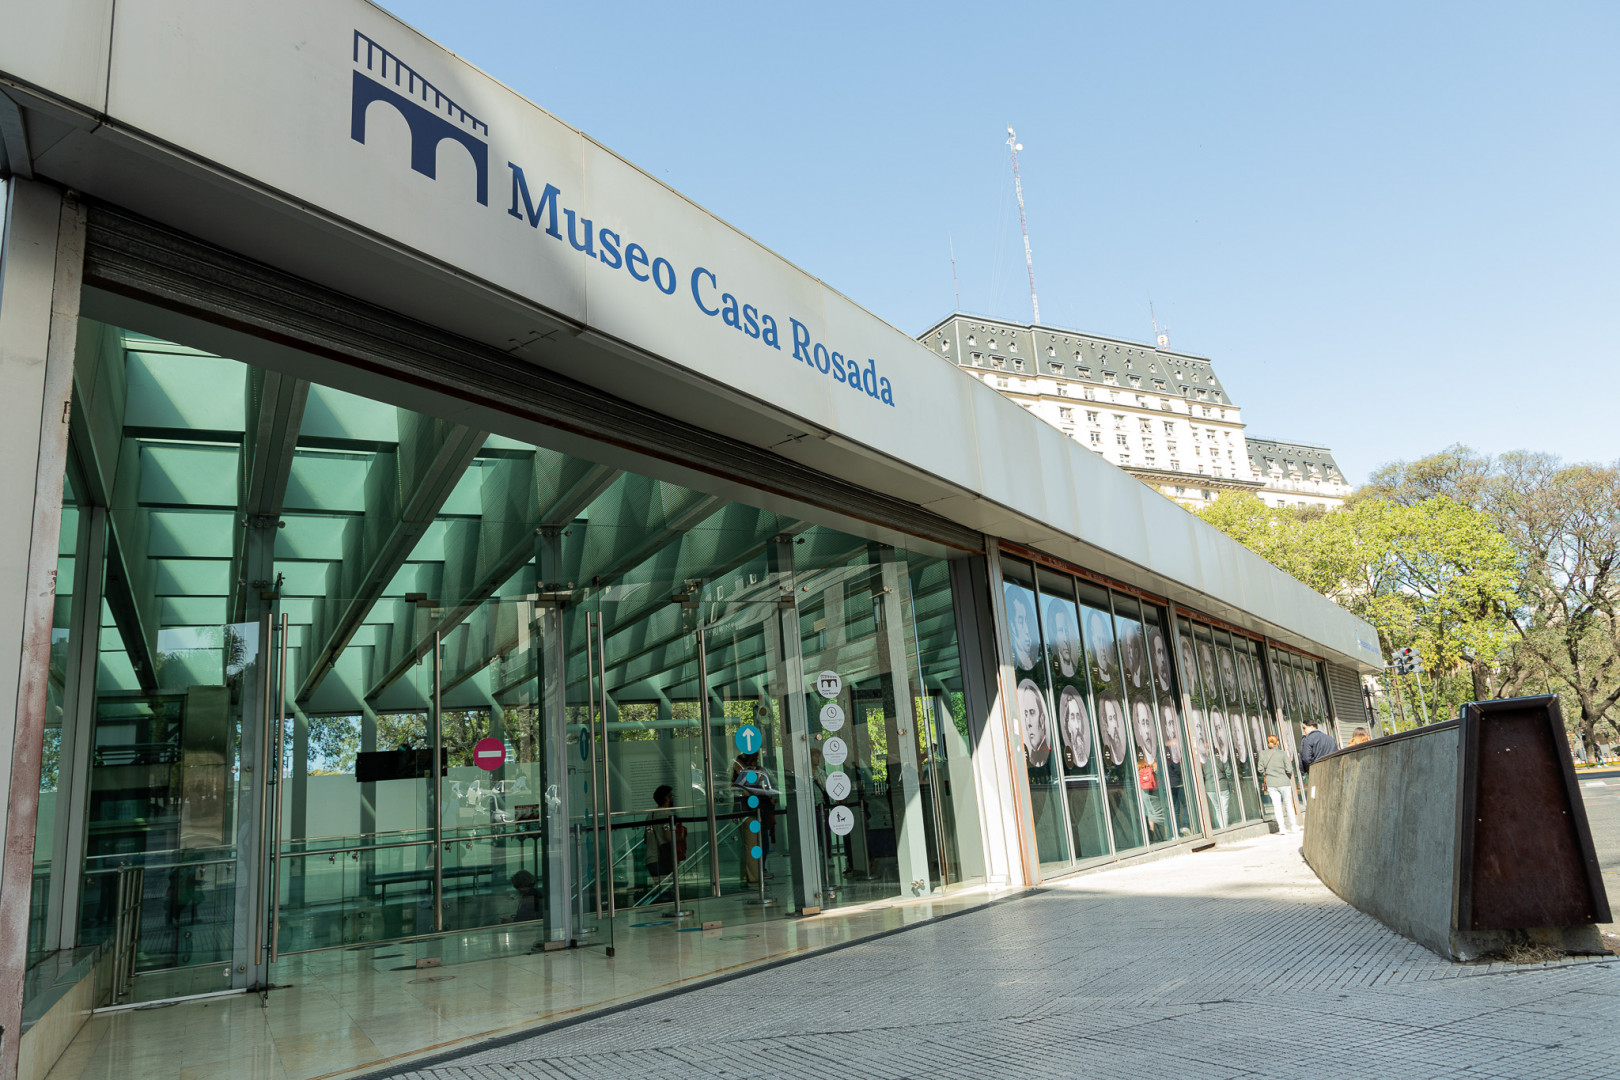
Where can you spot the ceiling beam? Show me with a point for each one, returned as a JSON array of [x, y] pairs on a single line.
[[568, 506], [456, 450], [275, 413]]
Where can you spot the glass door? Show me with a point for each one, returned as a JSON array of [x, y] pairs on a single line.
[[697, 789], [168, 794]]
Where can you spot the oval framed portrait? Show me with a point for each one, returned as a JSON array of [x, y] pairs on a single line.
[[1172, 737], [1142, 726], [1111, 730], [1160, 655], [1037, 728], [1075, 727], [1100, 640], [1021, 630], [1063, 638]]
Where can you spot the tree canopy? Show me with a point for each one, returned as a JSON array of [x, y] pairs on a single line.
[[1504, 572]]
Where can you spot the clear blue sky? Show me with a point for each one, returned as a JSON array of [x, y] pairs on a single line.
[[1392, 225]]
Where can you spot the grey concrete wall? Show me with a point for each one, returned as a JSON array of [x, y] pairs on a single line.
[[1380, 830]]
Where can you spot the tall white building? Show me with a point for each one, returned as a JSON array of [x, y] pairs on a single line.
[[1162, 416], [1297, 474]]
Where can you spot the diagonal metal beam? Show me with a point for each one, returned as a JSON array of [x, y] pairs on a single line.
[[275, 413], [119, 595], [437, 480], [635, 615], [94, 476], [15, 157], [676, 527], [568, 506]]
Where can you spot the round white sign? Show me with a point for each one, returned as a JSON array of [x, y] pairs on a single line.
[[828, 684], [841, 821], [838, 786], [834, 751], [832, 716]]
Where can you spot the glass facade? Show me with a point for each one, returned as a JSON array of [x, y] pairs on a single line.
[[330, 674], [493, 690], [339, 678], [1099, 716], [1302, 694], [1234, 717]]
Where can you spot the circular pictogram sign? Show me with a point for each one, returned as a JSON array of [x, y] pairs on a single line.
[[838, 786], [841, 820], [828, 684], [489, 754]]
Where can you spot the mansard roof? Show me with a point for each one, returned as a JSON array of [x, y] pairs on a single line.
[[1080, 355], [1291, 457]]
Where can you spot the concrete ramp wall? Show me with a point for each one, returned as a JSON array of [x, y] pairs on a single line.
[[1467, 836]]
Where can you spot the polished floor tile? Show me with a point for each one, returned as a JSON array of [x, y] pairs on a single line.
[[347, 1011]]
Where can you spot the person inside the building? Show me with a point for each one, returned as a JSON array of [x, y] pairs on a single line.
[[666, 836], [528, 898], [750, 782]]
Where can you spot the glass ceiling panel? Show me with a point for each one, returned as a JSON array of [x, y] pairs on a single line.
[[396, 525]]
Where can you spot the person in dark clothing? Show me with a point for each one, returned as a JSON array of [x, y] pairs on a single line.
[[1316, 744], [528, 902], [666, 836]]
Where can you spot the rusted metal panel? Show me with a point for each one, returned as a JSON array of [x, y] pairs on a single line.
[[50, 464], [1525, 857]]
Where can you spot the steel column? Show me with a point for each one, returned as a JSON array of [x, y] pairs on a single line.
[[790, 687]]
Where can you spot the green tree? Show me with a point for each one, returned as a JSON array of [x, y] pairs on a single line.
[[1565, 521], [1431, 573], [1564, 524]]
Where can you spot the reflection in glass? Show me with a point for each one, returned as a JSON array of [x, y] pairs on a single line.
[[1109, 680], [1242, 761], [1162, 701], [957, 851], [1033, 718], [1199, 664], [1152, 777], [1082, 778]]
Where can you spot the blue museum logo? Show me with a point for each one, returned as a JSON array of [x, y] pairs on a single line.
[[433, 116]]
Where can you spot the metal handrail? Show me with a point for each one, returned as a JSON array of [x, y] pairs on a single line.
[[127, 927], [650, 896], [362, 847], [162, 866]]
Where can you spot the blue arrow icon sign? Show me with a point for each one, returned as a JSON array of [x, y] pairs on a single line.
[[749, 739]]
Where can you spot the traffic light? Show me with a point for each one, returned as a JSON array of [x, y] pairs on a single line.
[[1406, 662]]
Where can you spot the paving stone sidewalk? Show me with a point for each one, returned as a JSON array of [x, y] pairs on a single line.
[[1235, 962]]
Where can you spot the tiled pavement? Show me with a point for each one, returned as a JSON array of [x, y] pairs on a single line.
[[1230, 963]]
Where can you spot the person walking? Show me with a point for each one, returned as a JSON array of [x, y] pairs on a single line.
[[1278, 773], [1316, 745]]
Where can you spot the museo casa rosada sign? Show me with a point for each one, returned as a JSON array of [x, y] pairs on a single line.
[[702, 284], [434, 118]]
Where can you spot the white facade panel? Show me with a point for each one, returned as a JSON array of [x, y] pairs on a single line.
[[283, 94], [60, 47]]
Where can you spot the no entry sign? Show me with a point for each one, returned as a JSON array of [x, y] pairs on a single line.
[[489, 754]]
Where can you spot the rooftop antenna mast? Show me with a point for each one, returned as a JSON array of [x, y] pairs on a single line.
[[1160, 337], [1018, 186], [954, 284]]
